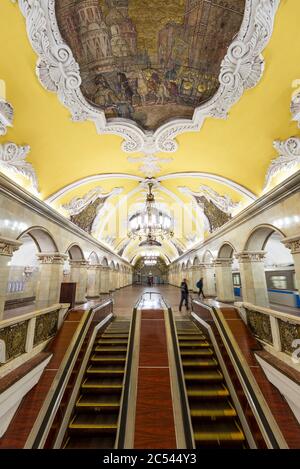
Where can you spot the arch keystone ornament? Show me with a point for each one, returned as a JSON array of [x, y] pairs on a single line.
[[116, 104]]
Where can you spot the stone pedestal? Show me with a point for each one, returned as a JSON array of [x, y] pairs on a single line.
[[209, 287], [79, 276], [50, 278], [7, 248], [293, 244], [224, 283], [253, 278], [104, 280], [93, 282]]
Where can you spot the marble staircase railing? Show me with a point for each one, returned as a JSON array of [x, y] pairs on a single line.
[[279, 332], [24, 336]]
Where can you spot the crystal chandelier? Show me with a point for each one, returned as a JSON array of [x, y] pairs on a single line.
[[151, 223]]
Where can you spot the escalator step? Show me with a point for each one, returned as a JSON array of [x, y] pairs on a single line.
[[203, 376], [105, 371], [89, 442], [191, 337], [199, 353], [208, 392], [112, 341], [108, 359], [220, 437], [110, 349], [213, 410], [200, 363], [102, 384], [113, 336], [194, 344], [102, 402], [92, 423]]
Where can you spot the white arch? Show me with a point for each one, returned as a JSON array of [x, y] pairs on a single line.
[[212, 177]]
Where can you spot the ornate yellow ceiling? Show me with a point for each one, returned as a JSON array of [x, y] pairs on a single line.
[[229, 156]]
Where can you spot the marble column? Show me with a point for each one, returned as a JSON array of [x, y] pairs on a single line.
[[197, 273], [93, 282], [79, 276], [7, 248], [253, 278], [111, 276], [104, 279], [209, 286], [50, 278], [223, 271], [293, 243]]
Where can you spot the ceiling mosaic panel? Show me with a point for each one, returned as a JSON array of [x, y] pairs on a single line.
[[149, 64]]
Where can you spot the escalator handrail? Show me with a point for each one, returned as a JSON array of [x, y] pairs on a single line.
[[43, 427], [188, 432], [126, 386], [246, 384]]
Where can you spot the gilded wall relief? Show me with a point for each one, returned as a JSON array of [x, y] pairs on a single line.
[[149, 62], [260, 325], [288, 333], [45, 327], [14, 338]]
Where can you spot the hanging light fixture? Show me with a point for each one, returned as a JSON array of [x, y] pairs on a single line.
[[151, 223]]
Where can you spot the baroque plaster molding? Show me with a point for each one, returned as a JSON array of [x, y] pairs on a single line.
[[150, 164], [250, 256], [51, 257], [224, 203], [77, 204], [8, 246], [13, 158], [289, 156], [223, 262], [292, 243], [6, 116], [58, 72]]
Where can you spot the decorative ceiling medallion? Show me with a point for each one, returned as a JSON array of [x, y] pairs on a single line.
[[12, 157], [149, 64], [150, 164], [118, 40], [289, 156], [6, 116]]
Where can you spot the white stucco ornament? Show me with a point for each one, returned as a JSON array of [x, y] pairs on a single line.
[[150, 164], [289, 156], [6, 116], [77, 204], [13, 158], [223, 202]]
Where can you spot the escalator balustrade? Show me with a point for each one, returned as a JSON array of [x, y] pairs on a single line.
[[94, 422], [214, 419]]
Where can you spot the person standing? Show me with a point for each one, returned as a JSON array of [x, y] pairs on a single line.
[[200, 286], [184, 295]]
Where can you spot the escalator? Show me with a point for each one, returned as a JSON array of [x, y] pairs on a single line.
[[214, 419], [95, 417]]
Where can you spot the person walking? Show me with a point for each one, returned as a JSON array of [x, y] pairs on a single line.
[[199, 285], [184, 295]]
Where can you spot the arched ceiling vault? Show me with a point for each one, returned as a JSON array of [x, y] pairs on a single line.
[[212, 175]]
